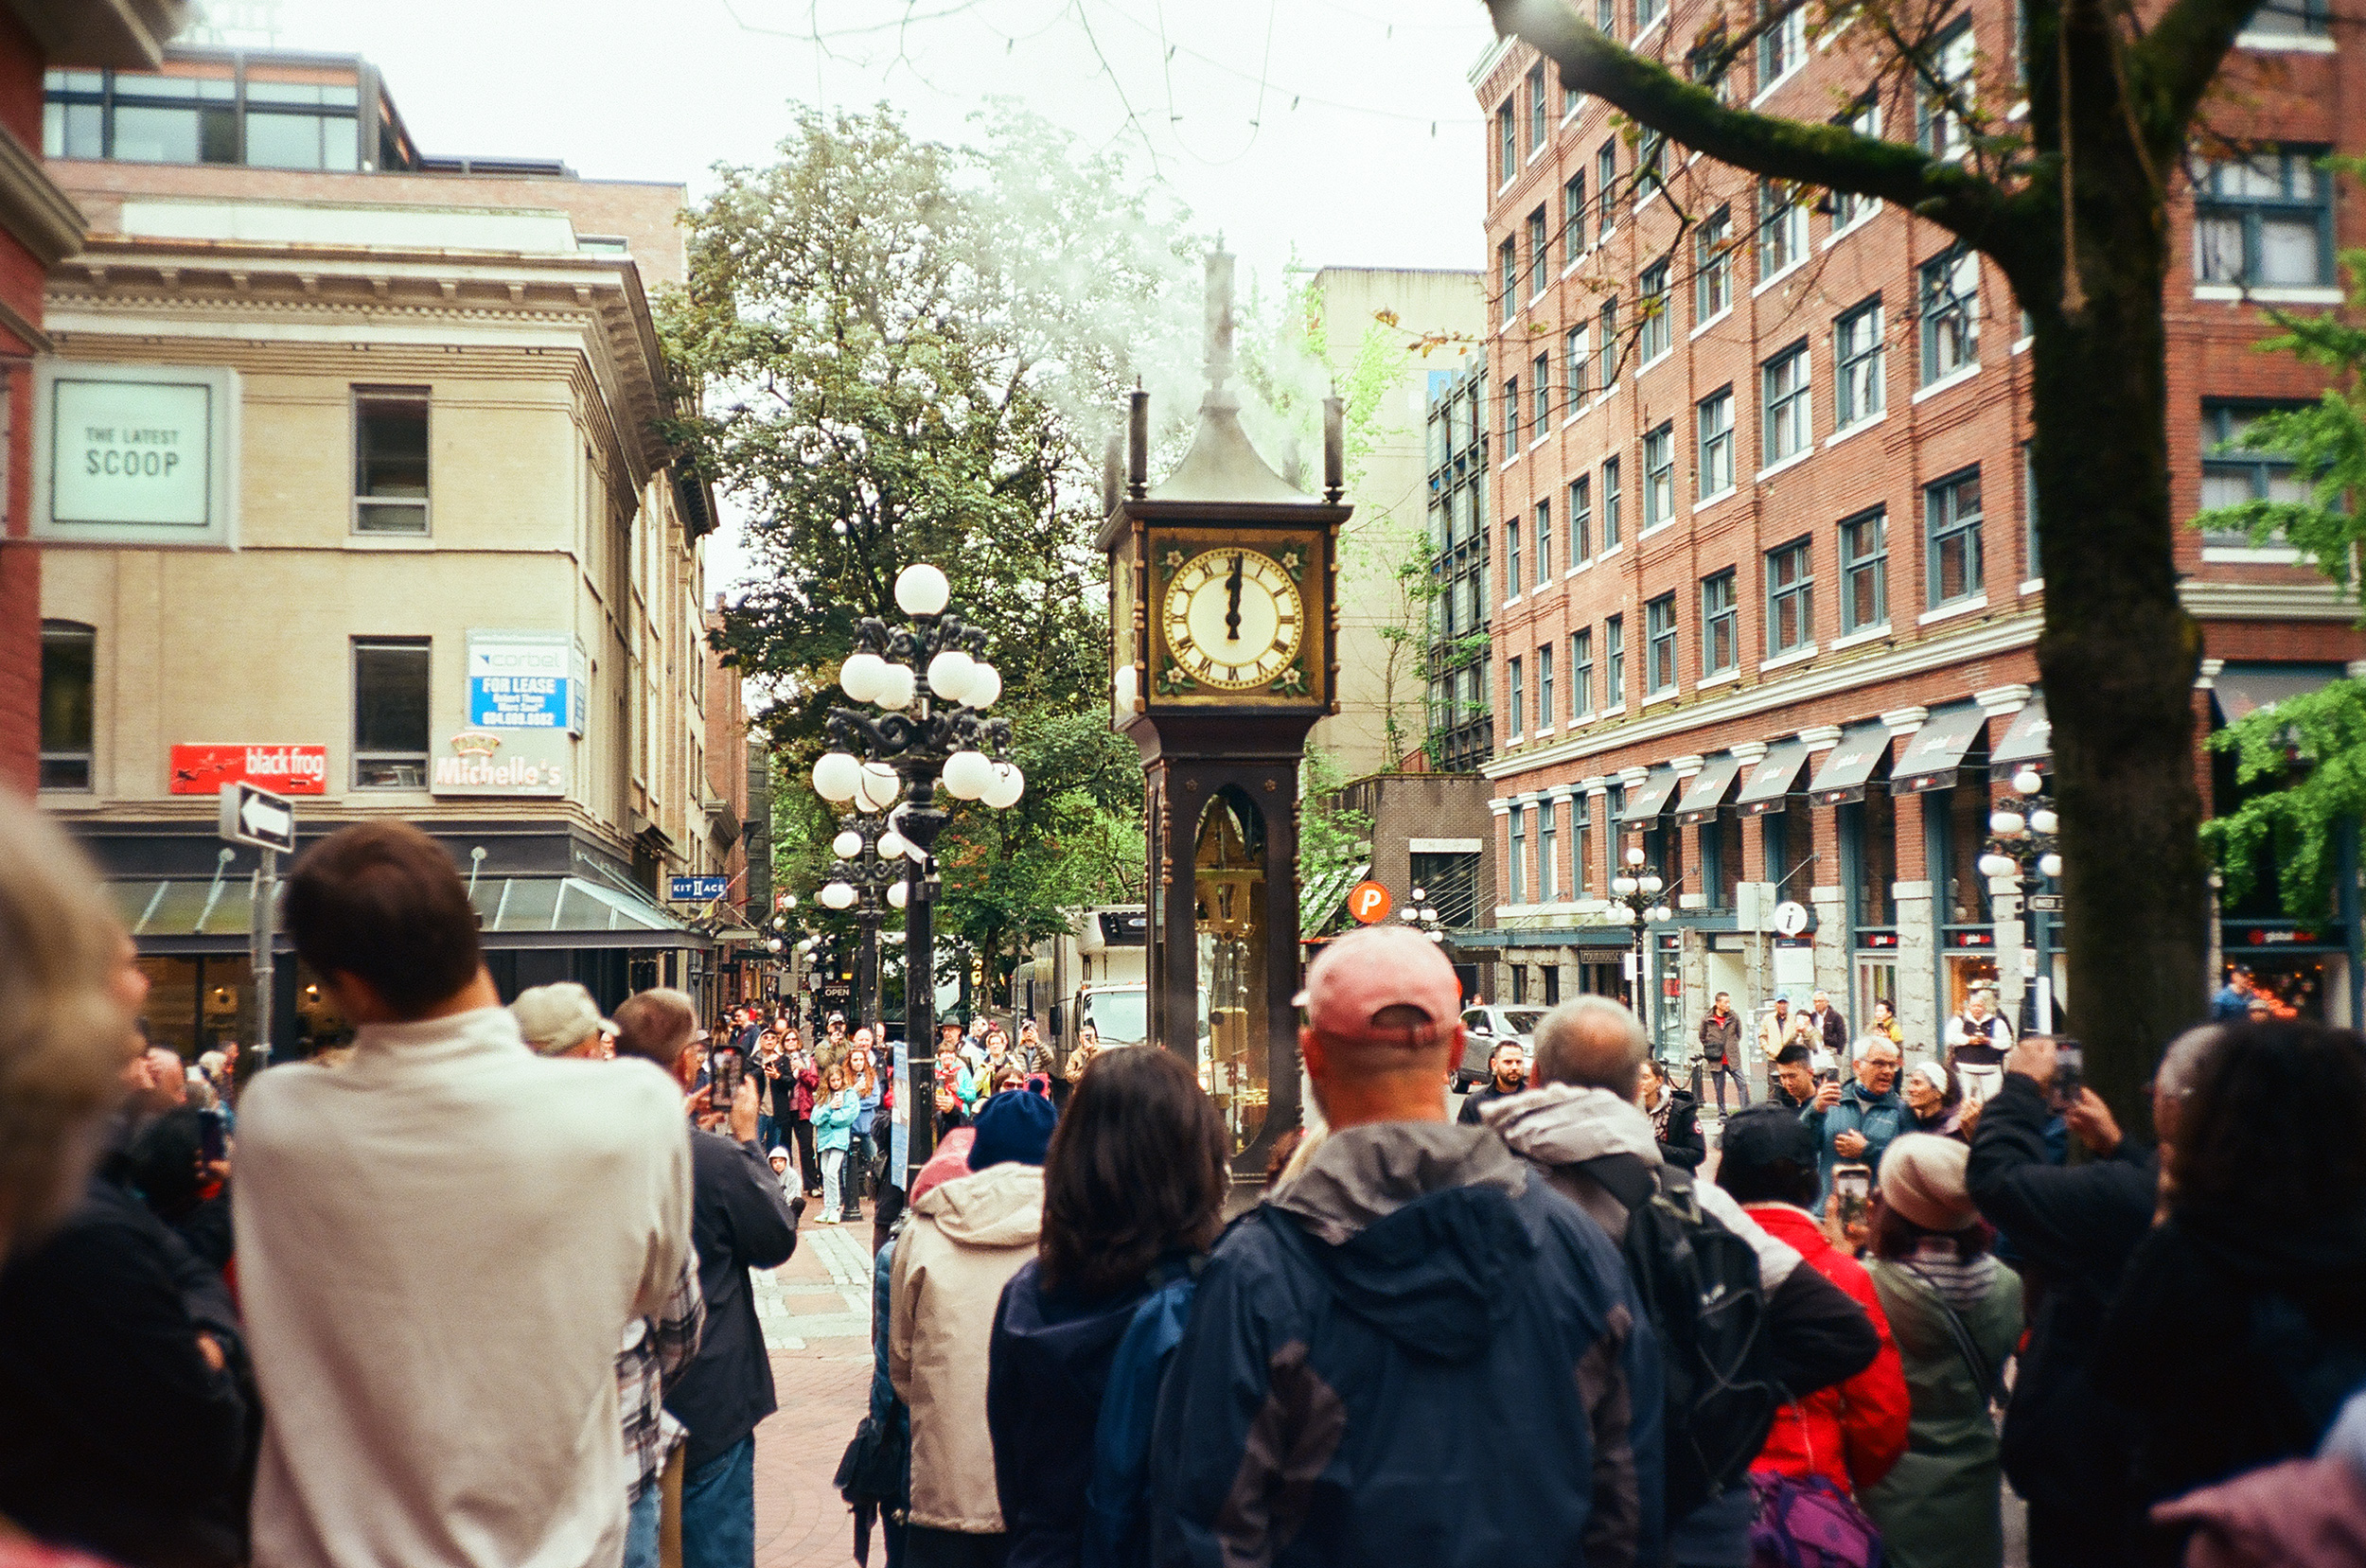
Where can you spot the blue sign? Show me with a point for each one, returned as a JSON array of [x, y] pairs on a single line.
[[521, 680], [699, 890]]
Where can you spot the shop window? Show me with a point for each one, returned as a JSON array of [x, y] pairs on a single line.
[[1774, 840], [390, 457], [1868, 832], [1519, 984], [1550, 974], [389, 712], [69, 655], [1955, 825], [1721, 857]]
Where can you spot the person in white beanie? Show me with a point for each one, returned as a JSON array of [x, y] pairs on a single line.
[[1935, 1103]]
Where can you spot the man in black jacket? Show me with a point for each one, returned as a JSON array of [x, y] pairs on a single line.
[[739, 1220], [1509, 1062], [2067, 1450]]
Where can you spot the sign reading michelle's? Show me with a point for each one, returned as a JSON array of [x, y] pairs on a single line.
[[137, 455]]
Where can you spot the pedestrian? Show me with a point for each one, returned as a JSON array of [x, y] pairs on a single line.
[[1583, 1129], [1360, 1380], [834, 1045], [834, 1133], [1855, 1122], [861, 1148], [1032, 1056], [1795, 1081], [1853, 1433], [1977, 1039], [1955, 1313], [2232, 1005], [962, 1244], [1774, 1033], [740, 1220], [1831, 1029], [1507, 1075], [1885, 1022], [1721, 1050], [2067, 1448], [771, 1093], [443, 1235], [1934, 1104], [1135, 1182], [2253, 1288], [802, 1079], [1676, 1117]]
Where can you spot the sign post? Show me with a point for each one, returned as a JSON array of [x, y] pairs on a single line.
[[267, 821]]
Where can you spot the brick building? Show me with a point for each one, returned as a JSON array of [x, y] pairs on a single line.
[[1766, 586]]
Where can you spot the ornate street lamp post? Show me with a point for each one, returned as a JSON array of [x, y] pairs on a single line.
[[867, 878], [1419, 914], [1636, 892], [2022, 846], [931, 691]]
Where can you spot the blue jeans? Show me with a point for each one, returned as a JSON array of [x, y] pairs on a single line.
[[718, 1509], [641, 1524]]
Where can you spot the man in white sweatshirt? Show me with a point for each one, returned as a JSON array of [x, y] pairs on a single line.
[[440, 1241]]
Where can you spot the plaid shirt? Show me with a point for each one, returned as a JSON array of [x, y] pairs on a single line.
[[654, 1349]]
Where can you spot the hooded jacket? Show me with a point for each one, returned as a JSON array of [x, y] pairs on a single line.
[[1852, 1432], [1414, 1352], [964, 1242], [1879, 1117]]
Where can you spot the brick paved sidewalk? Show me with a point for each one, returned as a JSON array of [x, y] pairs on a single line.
[[816, 1311]]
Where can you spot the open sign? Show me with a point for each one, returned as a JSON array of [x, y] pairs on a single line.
[[1368, 902]]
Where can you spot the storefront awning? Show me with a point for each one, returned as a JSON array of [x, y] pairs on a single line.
[[1937, 750], [2242, 690], [2029, 738], [1708, 789], [1861, 751], [1772, 782], [1650, 797], [200, 915]]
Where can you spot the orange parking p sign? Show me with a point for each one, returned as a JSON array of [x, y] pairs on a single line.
[[1368, 902]]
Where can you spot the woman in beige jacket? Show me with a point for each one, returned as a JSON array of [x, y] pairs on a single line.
[[965, 1240]]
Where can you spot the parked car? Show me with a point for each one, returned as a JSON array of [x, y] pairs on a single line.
[[1483, 1029]]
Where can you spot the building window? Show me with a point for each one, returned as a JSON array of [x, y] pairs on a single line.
[[1606, 18], [1582, 673], [1541, 380], [1789, 602], [1539, 106], [1789, 421], [1656, 334], [1939, 128], [2287, 19], [2235, 475], [1507, 263], [1581, 519], [2266, 219], [1865, 569], [1580, 844], [69, 685], [2035, 559], [1544, 543], [1659, 632], [1540, 255], [1865, 119], [1610, 503], [1606, 186], [1507, 143], [1511, 417], [390, 713], [1576, 354], [1951, 513], [1607, 380], [1659, 476], [1713, 267], [1706, 64], [1573, 216], [1782, 45], [1516, 865], [1545, 686], [1650, 163], [1857, 361], [390, 460], [1951, 314], [1615, 662], [1713, 419], [74, 117], [1548, 850], [1511, 560], [1782, 229], [1515, 706], [301, 125], [193, 117], [1721, 624], [1646, 13]]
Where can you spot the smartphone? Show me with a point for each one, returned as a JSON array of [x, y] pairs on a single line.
[[2069, 1072], [213, 1143], [1830, 1075], [725, 1068], [1853, 1186]]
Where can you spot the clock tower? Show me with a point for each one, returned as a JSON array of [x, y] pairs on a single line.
[[1223, 579]]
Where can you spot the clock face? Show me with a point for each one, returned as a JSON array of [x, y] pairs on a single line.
[[1233, 618]]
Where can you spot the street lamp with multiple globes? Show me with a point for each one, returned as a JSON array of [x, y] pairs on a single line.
[[868, 878], [1636, 889], [2022, 846], [1423, 917], [932, 689]]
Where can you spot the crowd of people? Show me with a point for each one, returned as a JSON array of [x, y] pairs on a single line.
[[479, 1290]]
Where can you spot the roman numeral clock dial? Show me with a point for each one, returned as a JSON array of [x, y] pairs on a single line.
[[1234, 619]]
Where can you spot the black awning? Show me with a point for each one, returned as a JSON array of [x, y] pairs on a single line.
[[1650, 797], [1850, 764], [2029, 738], [1708, 789], [1931, 758], [2242, 690], [1773, 779]]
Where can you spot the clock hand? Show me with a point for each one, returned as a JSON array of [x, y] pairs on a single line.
[[1232, 610]]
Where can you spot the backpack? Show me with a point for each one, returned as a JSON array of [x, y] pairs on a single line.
[[1699, 1286], [1809, 1524], [1116, 1499]]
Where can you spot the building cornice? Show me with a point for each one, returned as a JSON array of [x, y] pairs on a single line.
[[2303, 601], [34, 208]]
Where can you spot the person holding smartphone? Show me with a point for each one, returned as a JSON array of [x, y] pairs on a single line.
[[1857, 1122]]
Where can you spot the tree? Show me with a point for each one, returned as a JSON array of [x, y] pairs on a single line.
[[2072, 209], [1333, 838]]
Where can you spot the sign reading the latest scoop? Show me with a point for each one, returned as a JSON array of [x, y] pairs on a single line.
[[139, 455], [523, 681], [203, 769]]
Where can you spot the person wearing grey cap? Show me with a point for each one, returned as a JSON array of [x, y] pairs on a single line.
[[562, 1020]]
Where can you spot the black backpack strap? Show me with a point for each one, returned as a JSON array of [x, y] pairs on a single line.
[[1625, 1177]]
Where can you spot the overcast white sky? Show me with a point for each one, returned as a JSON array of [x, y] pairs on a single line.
[[1340, 131]]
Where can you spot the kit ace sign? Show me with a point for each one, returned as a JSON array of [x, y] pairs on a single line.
[[524, 680], [138, 455], [202, 769]]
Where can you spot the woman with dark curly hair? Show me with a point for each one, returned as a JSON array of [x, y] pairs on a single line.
[[2241, 1322], [1134, 1189]]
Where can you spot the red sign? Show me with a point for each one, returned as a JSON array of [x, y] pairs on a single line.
[[202, 770], [1368, 902]]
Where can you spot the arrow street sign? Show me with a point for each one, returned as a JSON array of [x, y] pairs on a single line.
[[257, 817]]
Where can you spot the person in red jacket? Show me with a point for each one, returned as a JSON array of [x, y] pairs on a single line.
[[1853, 1432]]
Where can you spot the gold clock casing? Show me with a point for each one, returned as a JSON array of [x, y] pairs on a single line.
[[1283, 633]]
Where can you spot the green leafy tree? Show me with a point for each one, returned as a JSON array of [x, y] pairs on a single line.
[[1333, 838]]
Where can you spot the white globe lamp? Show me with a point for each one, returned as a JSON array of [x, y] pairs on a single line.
[[897, 896], [846, 845], [896, 687], [1008, 784], [950, 673], [860, 678], [920, 590], [876, 789], [967, 774], [891, 844], [838, 895], [836, 774]]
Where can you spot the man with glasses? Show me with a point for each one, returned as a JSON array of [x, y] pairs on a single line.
[[1854, 1123]]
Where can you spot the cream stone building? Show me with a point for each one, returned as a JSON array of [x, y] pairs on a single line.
[[466, 587]]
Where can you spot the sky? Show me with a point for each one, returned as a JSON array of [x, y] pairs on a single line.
[[1331, 133]]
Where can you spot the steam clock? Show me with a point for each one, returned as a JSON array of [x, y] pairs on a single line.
[[1222, 587]]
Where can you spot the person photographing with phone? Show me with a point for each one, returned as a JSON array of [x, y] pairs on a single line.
[[1856, 1122]]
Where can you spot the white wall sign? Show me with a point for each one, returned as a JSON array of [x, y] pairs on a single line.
[[138, 455], [519, 764]]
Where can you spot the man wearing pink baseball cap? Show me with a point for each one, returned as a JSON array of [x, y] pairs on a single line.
[[1410, 1304]]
